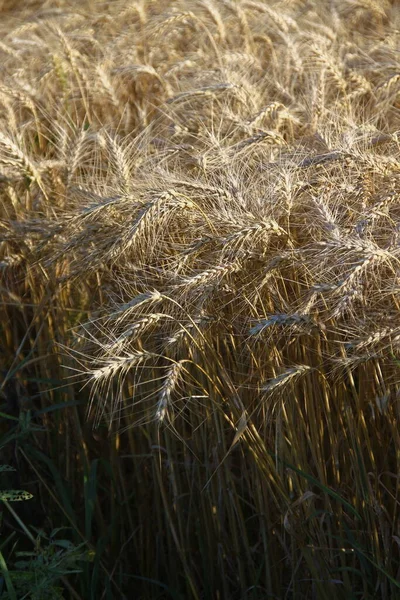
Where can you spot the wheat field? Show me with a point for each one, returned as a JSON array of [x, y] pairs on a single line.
[[199, 299]]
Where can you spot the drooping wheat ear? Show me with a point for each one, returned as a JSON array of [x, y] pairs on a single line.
[[361, 266], [189, 329], [297, 319], [11, 114], [272, 112], [361, 87], [265, 226], [279, 20], [209, 91], [119, 159], [134, 331], [390, 83], [13, 157], [202, 188], [216, 17], [108, 86], [24, 98], [265, 137], [9, 51], [72, 55], [209, 276], [318, 95], [282, 380], [148, 70], [116, 364], [328, 218], [153, 213], [123, 311], [169, 385], [338, 366], [184, 18], [330, 67], [74, 154], [114, 370], [391, 335], [97, 206]]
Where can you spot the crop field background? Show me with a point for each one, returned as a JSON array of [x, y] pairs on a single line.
[[199, 300]]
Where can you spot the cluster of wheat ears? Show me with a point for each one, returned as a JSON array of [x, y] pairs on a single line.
[[200, 219]]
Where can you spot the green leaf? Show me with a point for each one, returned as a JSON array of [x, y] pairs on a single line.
[[321, 486], [66, 544], [8, 417], [14, 495], [7, 578], [59, 406], [6, 468]]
